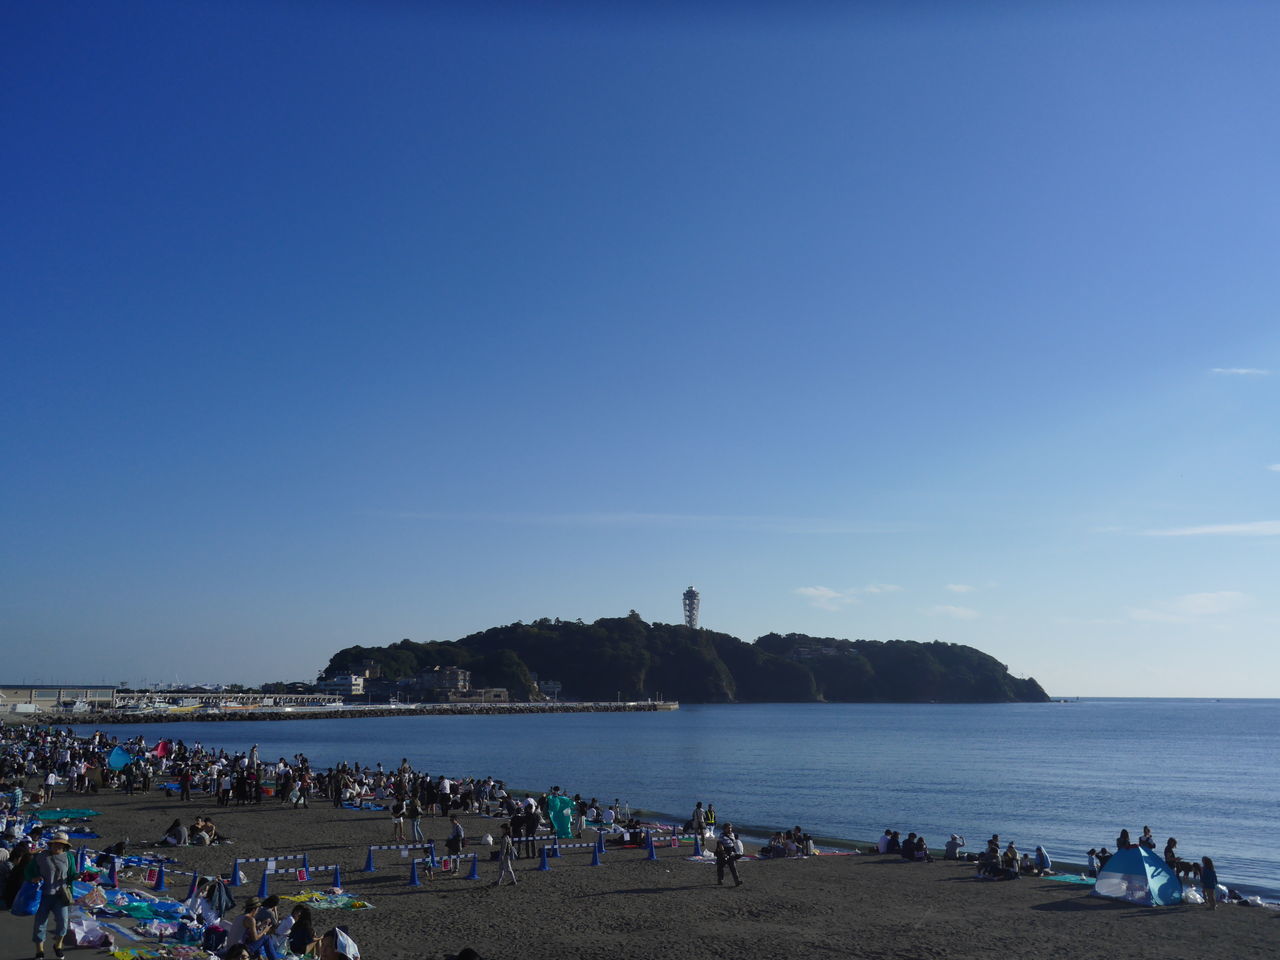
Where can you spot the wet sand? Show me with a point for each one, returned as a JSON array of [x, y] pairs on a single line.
[[630, 907]]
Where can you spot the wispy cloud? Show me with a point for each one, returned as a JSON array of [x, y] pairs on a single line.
[[1241, 371], [687, 521], [955, 613], [1275, 467], [1192, 606], [1254, 528], [824, 598], [960, 588]]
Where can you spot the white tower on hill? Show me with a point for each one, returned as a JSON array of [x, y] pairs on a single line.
[[691, 608]]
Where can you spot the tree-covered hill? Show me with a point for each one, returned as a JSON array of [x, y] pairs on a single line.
[[629, 658]]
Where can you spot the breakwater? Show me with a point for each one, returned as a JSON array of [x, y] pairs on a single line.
[[348, 713]]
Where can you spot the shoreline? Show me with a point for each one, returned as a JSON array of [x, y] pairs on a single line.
[[346, 713], [632, 908]]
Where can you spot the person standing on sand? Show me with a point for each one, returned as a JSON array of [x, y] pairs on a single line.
[[506, 856], [456, 841], [727, 856], [699, 820], [1209, 878], [398, 807]]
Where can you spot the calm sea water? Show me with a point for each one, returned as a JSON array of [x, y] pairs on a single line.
[[1065, 775]]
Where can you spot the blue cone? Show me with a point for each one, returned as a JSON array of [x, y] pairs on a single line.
[[595, 856], [545, 864], [160, 878], [262, 887], [235, 874], [337, 875], [413, 875], [368, 862], [475, 867]]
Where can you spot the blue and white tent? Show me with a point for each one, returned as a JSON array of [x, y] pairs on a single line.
[[1139, 876]]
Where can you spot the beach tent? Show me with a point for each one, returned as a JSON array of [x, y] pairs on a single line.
[[1139, 876], [119, 758]]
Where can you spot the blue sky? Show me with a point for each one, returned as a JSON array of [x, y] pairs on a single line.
[[335, 323]]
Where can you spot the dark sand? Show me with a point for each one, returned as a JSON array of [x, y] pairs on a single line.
[[823, 906]]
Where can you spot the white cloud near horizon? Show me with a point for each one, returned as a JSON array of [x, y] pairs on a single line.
[[824, 598], [1241, 371], [955, 613], [1192, 606], [1255, 528], [960, 588], [1274, 466]]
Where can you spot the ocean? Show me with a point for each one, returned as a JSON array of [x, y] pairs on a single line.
[[1065, 775]]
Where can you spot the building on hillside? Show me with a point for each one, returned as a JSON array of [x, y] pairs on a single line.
[[345, 685], [691, 603], [445, 678]]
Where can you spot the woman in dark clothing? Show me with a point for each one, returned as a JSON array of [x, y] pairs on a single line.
[[302, 935], [1209, 878]]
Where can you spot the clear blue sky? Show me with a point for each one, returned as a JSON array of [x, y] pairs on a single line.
[[335, 323]]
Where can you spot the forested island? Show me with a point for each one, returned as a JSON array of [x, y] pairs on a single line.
[[629, 658]]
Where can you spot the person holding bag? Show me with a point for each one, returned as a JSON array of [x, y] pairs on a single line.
[[55, 868]]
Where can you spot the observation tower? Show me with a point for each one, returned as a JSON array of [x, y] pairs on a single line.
[[691, 608]]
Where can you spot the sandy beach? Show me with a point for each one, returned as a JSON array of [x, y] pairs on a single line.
[[631, 907]]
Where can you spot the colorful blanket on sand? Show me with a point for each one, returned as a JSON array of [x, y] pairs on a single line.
[[328, 901], [66, 814], [1072, 878]]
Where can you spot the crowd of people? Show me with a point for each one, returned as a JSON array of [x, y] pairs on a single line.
[[52, 759]]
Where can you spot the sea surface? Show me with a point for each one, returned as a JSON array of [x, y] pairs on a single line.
[[1067, 775]]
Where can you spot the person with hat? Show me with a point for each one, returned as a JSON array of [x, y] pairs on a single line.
[[55, 868]]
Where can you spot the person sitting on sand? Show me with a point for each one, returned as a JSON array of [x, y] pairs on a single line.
[[1123, 842], [1009, 860], [1044, 865], [244, 929], [894, 845], [882, 845], [337, 945], [175, 836], [1147, 840], [1171, 852], [952, 850], [922, 851], [302, 936], [1025, 865], [908, 851]]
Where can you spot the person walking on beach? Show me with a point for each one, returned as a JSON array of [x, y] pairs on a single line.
[[506, 856], [727, 854], [55, 868]]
